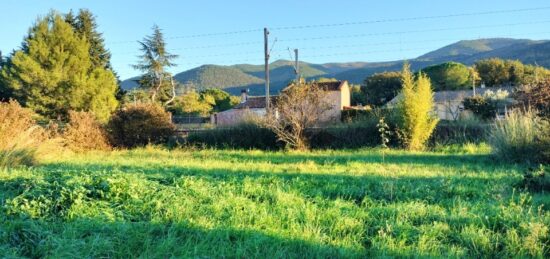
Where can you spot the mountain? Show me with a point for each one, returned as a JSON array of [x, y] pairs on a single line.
[[246, 76], [214, 76]]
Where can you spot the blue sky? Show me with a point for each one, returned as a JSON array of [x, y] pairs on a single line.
[[124, 22]]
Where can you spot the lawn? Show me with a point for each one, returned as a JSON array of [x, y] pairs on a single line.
[[154, 202]]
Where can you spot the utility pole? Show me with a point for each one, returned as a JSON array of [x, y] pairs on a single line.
[[266, 54], [296, 66]]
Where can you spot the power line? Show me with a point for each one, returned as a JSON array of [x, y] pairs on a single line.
[[412, 31], [353, 23], [411, 18]]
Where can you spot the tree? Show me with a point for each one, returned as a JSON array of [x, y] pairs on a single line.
[[415, 109], [222, 100], [53, 73], [194, 103], [298, 108], [492, 71], [381, 87], [85, 25], [154, 61], [448, 76], [535, 96]]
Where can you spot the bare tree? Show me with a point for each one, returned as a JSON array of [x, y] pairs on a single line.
[[298, 108]]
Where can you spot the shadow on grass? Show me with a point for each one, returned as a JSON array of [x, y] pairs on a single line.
[[91, 238]]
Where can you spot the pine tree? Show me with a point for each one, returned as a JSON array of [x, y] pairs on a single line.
[[153, 63], [84, 23], [416, 108], [53, 73]]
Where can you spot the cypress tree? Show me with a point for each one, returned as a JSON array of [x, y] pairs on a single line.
[[53, 73]]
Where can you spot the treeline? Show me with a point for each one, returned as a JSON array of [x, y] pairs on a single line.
[[380, 88]]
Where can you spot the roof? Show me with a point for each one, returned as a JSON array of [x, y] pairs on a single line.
[[457, 95], [255, 102]]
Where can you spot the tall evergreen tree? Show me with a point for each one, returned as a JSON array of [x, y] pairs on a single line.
[[85, 25], [154, 61], [53, 72]]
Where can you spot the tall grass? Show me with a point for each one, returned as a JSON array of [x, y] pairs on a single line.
[[520, 137], [159, 203], [19, 136]]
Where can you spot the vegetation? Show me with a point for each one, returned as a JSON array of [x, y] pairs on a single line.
[[298, 108], [382, 87], [415, 109], [535, 96], [337, 204], [19, 136], [448, 76], [51, 81], [83, 132], [154, 61], [204, 103], [495, 71], [85, 25], [521, 137], [140, 124]]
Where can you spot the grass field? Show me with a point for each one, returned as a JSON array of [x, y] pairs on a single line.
[[212, 203]]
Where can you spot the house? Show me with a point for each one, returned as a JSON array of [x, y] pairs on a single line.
[[338, 95], [449, 104]]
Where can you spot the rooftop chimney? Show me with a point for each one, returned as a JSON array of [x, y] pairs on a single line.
[[244, 95]]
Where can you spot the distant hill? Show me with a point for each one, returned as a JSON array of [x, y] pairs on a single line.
[[245, 76], [214, 76]]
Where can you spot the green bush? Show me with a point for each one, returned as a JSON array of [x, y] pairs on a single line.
[[521, 137], [243, 136], [536, 179], [139, 125], [460, 132]]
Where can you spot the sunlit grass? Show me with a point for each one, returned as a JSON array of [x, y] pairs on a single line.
[[154, 202]]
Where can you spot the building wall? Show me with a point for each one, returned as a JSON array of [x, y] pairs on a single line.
[[235, 116]]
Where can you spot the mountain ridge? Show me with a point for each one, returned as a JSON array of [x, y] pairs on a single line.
[[234, 78]]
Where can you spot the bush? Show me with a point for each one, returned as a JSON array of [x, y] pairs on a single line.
[[84, 132], [536, 179], [243, 136], [460, 132], [521, 137], [19, 135], [139, 125], [415, 108]]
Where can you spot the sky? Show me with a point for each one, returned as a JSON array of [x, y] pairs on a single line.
[[226, 32]]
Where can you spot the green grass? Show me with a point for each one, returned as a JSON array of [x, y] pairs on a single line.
[[326, 204]]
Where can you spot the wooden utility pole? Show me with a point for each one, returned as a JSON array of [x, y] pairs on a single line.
[[296, 66], [266, 54]]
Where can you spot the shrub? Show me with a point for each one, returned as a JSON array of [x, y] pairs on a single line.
[[243, 136], [84, 132], [481, 107], [536, 179], [139, 125], [521, 137], [415, 109], [462, 131], [19, 135]]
